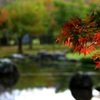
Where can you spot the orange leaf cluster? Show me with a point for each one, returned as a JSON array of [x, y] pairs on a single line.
[[3, 16], [83, 35]]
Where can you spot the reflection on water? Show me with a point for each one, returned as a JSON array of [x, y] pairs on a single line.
[[40, 94], [53, 86], [36, 94], [42, 83]]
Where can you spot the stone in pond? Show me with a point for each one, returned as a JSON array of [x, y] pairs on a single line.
[[81, 86], [9, 75]]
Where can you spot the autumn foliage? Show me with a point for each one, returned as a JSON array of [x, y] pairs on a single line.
[[3, 16], [83, 35]]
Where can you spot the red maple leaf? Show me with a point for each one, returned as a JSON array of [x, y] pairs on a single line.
[[85, 51], [77, 47], [68, 42], [98, 65]]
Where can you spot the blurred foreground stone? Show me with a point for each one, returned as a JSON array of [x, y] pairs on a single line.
[[9, 74], [81, 86]]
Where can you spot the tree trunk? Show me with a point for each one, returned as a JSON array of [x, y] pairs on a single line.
[[20, 45], [30, 43]]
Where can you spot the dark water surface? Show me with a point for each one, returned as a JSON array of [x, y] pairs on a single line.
[[52, 80]]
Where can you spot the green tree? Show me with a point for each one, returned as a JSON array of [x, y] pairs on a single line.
[[22, 20]]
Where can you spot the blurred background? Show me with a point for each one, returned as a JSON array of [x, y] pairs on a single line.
[[29, 54]]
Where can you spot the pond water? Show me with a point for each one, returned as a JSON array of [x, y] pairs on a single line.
[[47, 80], [45, 86]]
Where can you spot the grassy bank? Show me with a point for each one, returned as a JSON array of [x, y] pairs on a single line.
[[8, 50]]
